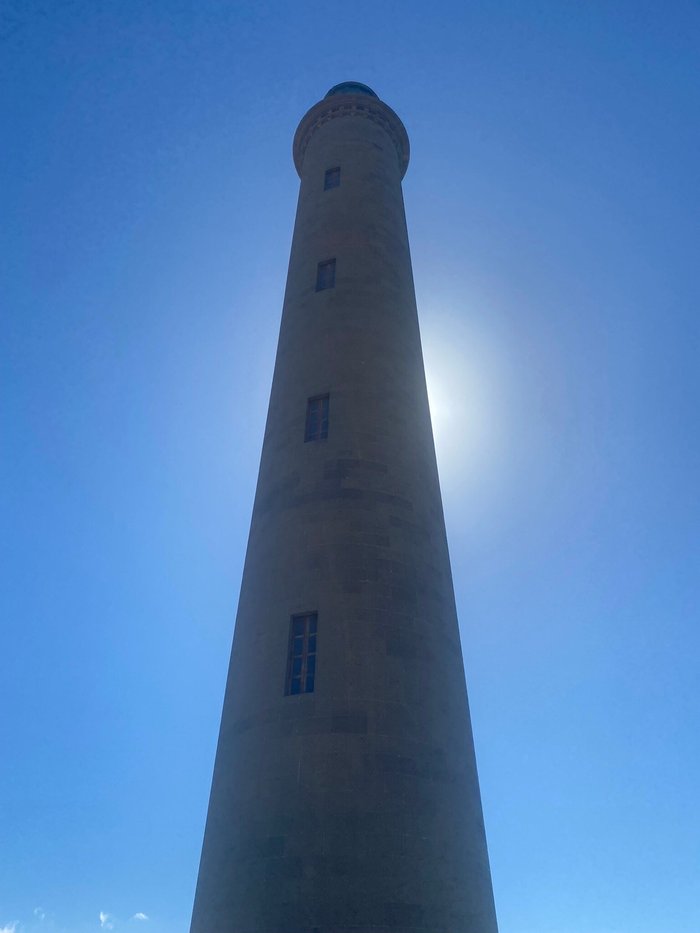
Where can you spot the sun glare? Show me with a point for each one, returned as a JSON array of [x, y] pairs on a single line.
[[462, 374]]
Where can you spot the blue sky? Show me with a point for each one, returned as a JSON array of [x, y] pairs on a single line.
[[148, 199]]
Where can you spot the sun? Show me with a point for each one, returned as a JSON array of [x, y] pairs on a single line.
[[464, 379]]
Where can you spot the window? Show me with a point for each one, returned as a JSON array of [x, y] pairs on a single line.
[[301, 657], [316, 418], [332, 178], [325, 275]]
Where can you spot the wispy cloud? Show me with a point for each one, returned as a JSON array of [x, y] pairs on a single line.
[[106, 921], [9, 927], [39, 913], [140, 916]]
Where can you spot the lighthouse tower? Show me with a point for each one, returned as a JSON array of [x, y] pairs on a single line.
[[345, 796]]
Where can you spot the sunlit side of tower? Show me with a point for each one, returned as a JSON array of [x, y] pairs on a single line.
[[345, 796]]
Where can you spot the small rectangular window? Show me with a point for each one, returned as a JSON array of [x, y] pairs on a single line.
[[325, 275], [332, 178], [301, 654], [316, 418]]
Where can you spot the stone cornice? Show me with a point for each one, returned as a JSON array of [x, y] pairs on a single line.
[[351, 105]]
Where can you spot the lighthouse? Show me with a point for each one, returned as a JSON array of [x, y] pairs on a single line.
[[345, 795]]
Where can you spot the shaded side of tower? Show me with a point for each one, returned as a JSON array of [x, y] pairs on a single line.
[[345, 794]]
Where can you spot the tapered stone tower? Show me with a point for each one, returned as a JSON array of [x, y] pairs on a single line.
[[345, 796]]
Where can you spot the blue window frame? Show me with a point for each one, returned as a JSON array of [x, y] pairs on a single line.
[[301, 655], [316, 428], [331, 178], [325, 275]]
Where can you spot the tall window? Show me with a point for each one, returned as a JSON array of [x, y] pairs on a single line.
[[325, 275], [332, 178], [316, 418], [301, 657]]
